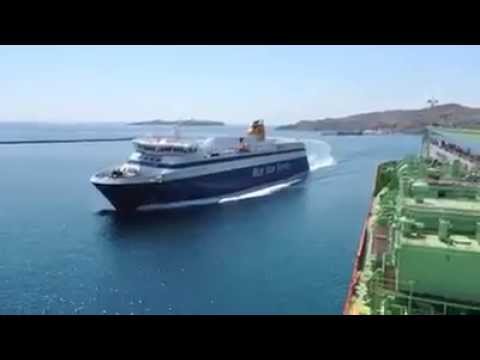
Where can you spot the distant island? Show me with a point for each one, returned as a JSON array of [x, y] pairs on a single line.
[[394, 121], [191, 122]]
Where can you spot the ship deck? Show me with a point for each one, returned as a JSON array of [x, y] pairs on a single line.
[[419, 247], [376, 244], [458, 242], [444, 204]]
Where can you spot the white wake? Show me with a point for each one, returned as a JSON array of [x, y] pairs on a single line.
[[259, 193], [316, 163], [319, 153], [318, 156]]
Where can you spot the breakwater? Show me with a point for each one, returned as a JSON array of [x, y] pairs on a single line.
[[54, 141]]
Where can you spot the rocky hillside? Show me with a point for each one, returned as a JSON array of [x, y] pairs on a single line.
[[396, 120]]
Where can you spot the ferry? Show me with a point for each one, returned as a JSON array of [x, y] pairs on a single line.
[[164, 172]]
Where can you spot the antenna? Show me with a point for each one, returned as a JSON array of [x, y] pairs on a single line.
[[432, 102]]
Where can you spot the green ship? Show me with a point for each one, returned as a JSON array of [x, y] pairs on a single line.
[[419, 251]]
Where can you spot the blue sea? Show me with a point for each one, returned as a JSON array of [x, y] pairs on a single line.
[[284, 250]]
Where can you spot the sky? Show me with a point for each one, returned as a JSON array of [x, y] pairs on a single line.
[[234, 84]]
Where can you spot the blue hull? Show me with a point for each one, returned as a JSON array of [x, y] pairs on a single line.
[[126, 197]]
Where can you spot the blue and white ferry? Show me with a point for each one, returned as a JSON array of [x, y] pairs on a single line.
[[164, 172]]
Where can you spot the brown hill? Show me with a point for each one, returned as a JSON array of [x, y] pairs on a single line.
[[396, 120]]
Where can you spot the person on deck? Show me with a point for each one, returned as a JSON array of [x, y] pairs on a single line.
[[242, 146]]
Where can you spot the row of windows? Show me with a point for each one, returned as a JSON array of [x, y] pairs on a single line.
[[152, 159], [179, 149], [167, 149], [146, 147]]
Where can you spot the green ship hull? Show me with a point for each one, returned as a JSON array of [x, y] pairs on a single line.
[[419, 250]]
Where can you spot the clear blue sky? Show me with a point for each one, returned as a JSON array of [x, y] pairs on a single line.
[[234, 84]]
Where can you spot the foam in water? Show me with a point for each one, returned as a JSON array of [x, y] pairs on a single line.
[[317, 158], [315, 163], [259, 193]]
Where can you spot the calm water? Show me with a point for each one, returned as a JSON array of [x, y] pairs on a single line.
[[287, 252]]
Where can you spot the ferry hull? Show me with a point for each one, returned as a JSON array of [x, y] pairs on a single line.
[[128, 197]]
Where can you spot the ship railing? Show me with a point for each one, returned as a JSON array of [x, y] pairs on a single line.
[[359, 261]]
